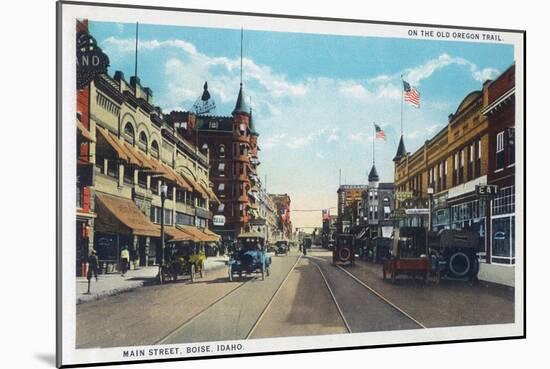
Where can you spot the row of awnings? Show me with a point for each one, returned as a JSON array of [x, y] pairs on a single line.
[[135, 157], [118, 215]]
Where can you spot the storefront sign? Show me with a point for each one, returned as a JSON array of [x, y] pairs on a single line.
[[487, 190], [403, 195], [398, 214], [218, 220], [417, 211]]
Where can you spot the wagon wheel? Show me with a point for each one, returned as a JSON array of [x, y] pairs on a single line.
[[263, 272], [193, 273], [230, 274]]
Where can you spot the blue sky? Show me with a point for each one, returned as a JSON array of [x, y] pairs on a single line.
[[314, 96]]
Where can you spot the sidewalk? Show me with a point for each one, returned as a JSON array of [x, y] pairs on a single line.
[[112, 284]]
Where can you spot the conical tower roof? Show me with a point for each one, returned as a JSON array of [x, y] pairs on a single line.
[[251, 127], [401, 151], [241, 107], [373, 175]]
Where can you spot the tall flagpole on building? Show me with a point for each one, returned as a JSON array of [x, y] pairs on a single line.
[[136, 59], [373, 141], [402, 98], [241, 56]]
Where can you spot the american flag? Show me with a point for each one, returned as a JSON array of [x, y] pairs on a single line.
[[411, 94], [379, 132]]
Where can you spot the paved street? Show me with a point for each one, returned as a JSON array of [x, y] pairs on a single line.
[[302, 296]]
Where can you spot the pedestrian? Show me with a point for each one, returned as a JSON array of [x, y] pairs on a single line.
[[93, 265], [124, 260]]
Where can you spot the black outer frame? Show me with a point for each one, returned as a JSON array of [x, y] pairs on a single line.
[[59, 173]]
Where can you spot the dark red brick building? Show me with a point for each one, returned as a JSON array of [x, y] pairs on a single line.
[[500, 112], [232, 146]]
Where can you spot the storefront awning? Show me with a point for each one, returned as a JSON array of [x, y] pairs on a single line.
[[119, 215], [84, 131], [197, 234], [196, 186], [214, 236], [174, 234]]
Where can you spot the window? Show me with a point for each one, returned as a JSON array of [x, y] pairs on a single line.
[[180, 197], [503, 240], [478, 160], [221, 188], [221, 151], [461, 167], [221, 169], [155, 186], [184, 219], [142, 179], [376, 212], [143, 141], [500, 151], [213, 125], [242, 128], [129, 175], [471, 162], [221, 208], [511, 145], [155, 149], [129, 134]]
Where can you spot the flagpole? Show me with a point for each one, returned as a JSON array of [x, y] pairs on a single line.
[[136, 59], [373, 140], [402, 98]]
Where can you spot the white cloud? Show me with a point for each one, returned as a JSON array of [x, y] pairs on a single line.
[[424, 71]]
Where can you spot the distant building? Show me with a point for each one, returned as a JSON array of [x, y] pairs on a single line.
[[284, 224]]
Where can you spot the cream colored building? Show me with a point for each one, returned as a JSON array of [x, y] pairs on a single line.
[[134, 153]]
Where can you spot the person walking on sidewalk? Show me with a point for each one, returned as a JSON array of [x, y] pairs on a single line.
[[124, 260], [93, 265]]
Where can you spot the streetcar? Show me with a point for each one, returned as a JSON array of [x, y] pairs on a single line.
[[344, 250]]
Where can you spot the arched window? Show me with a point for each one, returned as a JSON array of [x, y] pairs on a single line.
[[129, 134], [143, 141], [221, 151], [155, 149]]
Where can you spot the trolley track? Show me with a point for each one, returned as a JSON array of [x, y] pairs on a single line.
[[351, 311], [176, 334]]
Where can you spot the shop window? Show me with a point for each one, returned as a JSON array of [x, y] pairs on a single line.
[[502, 241]]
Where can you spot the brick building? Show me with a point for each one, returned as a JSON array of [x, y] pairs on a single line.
[[459, 157], [232, 146], [500, 113]]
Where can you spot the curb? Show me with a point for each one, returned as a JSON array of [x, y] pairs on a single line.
[[136, 284]]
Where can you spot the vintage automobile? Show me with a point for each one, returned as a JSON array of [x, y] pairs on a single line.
[[249, 256], [409, 254], [183, 259], [281, 247], [454, 253], [378, 249]]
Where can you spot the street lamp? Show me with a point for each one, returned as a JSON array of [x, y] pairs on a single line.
[[163, 194], [430, 195]]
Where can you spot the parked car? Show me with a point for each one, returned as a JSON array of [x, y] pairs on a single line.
[[250, 256]]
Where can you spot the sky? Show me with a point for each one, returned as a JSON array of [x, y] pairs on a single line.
[[315, 97]]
